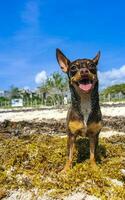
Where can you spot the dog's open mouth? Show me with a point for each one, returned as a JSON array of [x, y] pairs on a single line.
[[85, 84]]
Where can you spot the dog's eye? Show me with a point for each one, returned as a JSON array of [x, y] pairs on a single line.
[[91, 65], [92, 68], [73, 68]]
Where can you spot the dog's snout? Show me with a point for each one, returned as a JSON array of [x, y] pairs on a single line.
[[84, 71]]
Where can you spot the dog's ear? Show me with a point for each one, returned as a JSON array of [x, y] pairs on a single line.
[[62, 60], [96, 58]]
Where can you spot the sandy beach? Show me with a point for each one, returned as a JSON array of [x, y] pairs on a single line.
[[39, 115]]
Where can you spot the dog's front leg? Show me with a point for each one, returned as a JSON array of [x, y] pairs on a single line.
[[93, 134], [93, 148], [70, 147]]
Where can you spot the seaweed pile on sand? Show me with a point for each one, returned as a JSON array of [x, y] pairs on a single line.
[[33, 163], [52, 126]]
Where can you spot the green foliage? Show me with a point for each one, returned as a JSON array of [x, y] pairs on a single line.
[[56, 85], [114, 89], [14, 92], [3, 99], [57, 81], [35, 161]]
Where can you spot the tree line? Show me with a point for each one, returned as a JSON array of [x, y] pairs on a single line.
[[50, 92]]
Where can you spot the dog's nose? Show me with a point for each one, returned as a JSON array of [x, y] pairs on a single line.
[[84, 71]]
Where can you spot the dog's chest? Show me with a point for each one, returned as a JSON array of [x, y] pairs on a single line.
[[86, 107]]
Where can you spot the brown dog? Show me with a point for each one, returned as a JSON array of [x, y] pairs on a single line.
[[84, 115]]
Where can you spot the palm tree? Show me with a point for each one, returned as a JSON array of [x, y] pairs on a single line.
[[44, 90], [61, 84], [55, 86], [14, 92]]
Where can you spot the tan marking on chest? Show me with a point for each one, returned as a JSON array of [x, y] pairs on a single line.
[[75, 126]]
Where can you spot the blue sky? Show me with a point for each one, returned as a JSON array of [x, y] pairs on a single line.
[[31, 30]]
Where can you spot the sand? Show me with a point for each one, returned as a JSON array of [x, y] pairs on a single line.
[[57, 114]]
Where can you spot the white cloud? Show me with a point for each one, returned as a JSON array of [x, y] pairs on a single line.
[[41, 77], [113, 76]]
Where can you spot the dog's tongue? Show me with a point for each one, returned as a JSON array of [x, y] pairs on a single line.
[[85, 87]]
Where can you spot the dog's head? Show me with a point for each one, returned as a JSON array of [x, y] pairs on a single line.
[[81, 72]]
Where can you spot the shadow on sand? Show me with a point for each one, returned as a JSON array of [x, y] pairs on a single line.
[[82, 147]]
